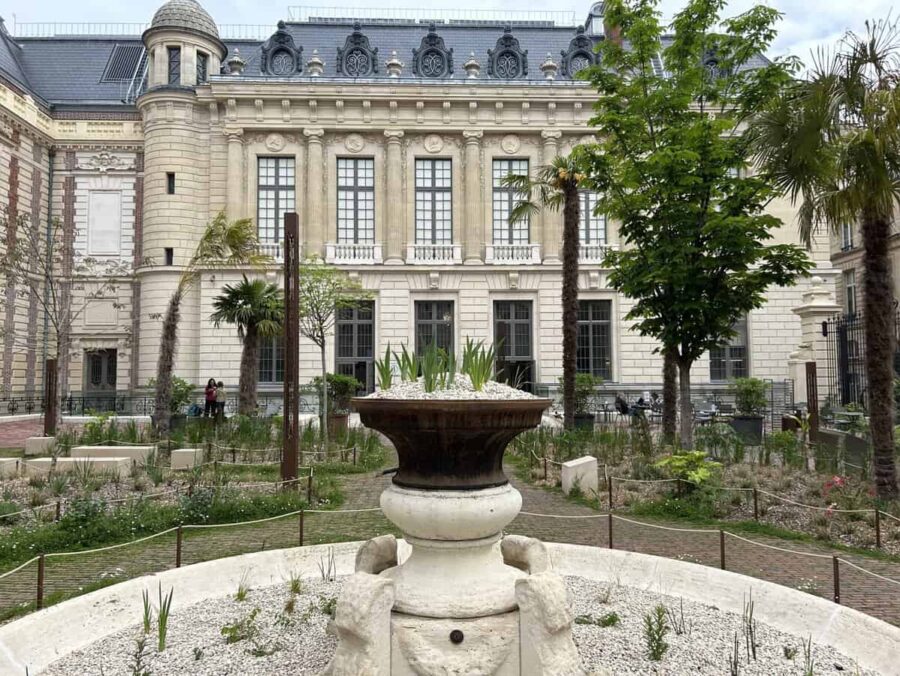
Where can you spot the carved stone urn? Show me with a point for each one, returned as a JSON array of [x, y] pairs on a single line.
[[463, 601]]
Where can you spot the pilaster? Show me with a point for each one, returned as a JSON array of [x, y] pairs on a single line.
[[235, 199], [315, 208], [474, 227], [552, 220], [395, 201]]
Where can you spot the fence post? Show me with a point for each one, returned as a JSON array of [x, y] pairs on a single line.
[[233, 456], [301, 526], [609, 528], [58, 509], [354, 456], [878, 528], [755, 504], [309, 486], [178, 540], [722, 548], [545, 468], [39, 602], [609, 490], [837, 579]]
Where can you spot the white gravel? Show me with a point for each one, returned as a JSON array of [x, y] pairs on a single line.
[[302, 647], [460, 389]]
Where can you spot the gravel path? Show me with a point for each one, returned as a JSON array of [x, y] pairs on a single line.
[[296, 642]]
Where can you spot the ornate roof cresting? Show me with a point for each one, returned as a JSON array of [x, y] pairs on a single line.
[[432, 58], [507, 61], [357, 58]]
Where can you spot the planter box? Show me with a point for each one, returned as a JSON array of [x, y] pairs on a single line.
[[9, 467], [584, 420], [186, 458], [39, 445], [749, 429], [41, 466], [581, 472], [135, 453], [338, 424]]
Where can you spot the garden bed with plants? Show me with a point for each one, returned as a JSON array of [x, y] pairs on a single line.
[[717, 481], [282, 629]]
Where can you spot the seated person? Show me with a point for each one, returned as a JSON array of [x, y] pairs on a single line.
[[622, 405]]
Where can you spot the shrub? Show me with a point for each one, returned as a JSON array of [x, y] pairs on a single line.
[[785, 445], [182, 393], [655, 629], [690, 467], [341, 389], [584, 391], [749, 395], [720, 441]]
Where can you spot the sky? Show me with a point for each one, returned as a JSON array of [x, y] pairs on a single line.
[[805, 23]]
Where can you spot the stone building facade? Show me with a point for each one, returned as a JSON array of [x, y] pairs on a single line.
[[387, 137]]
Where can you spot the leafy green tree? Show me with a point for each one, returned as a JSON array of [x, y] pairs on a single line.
[[556, 187], [224, 244], [670, 167], [323, 290], [257, 309], [832, 143]]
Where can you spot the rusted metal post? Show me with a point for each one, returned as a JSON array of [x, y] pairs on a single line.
[[301, 526], [39, 602], [722, 549], [837, 579], [609, 521], [878, 528], [545, 468], [178, 543], [309, 486], [755, 504], [290, 449]]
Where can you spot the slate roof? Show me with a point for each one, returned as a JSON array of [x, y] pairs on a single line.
[[185, 14], [10, 60]]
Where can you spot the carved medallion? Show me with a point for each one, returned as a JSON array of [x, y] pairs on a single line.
[[433, 143], [510, 144], [354, 143], [275, 142], [104, 162]]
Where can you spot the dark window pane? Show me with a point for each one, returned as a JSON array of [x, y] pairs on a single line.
[[174, 65], [593, 352]]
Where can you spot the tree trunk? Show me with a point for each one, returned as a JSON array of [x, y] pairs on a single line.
[[687, 416], [168, 340], [249, 372], [670, 398], [323, 423], [51, 395], [880, 345], [571, 217]]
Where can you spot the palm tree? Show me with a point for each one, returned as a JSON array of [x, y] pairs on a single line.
[[257, 308], [556, 187], [223, 244], [832, 142]]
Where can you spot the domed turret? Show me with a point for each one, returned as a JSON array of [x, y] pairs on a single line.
[[184, 45], [186, 15]]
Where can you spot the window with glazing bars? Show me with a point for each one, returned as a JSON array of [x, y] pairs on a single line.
[[730, 360], [356, 200], [202, 67], [850, 292], [174, 65], [846, 236], [434, 204], [354, 331], [434, 324], [505, 199], [271, 360], [275, 196], [512, 329], [592, 227], [593, 350]]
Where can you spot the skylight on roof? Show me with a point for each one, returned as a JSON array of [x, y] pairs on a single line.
[[123, 63]]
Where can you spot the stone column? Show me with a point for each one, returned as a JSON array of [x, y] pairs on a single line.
[[315, 206], [552, 220], [818, 306], [474, 226], [235, 199], [394, 200]]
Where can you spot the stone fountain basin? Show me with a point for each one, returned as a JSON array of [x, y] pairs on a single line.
[[450, 444]]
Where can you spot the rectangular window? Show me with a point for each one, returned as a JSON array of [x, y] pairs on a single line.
[[593, 351], [169, 253], [271, 360], [592, 228], [730, 360], [174, 65], [512, 329], [356, 200], [354, 346], [850, 291], [274, 197], [434, 204], [104, 232], [846, 236], [170, 183], [434, 324], [202, 67], [505, 199]]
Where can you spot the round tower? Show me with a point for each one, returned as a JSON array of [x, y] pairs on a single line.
[[184, 49]]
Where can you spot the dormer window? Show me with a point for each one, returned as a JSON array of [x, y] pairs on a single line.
[[174, 65], [202, 67]]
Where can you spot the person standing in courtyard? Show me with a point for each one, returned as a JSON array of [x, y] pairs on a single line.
[[210, 404], [221, 398]]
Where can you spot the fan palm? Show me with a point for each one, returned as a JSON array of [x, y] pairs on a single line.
[[223, 244], [832, 143], [257, 309], [556, 187]]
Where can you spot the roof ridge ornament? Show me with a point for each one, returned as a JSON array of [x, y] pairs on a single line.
[[579, 55], [357, 58], [280, 56], [507, 61], [432, 58]]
